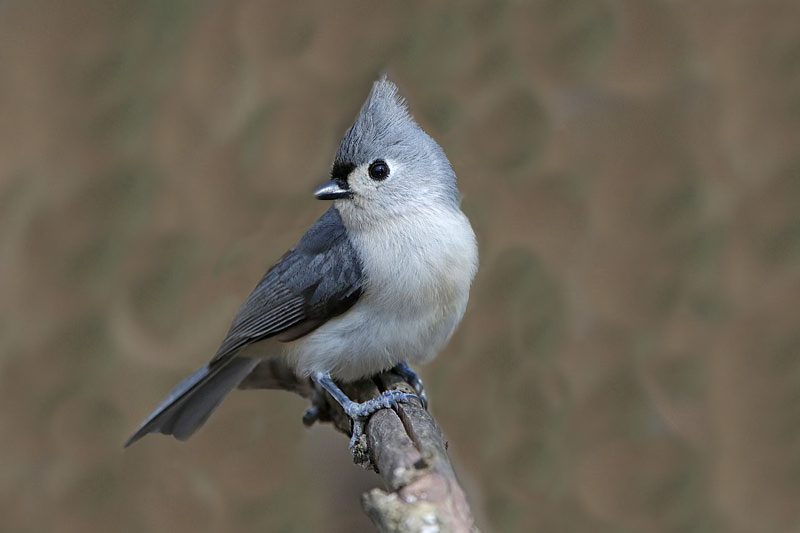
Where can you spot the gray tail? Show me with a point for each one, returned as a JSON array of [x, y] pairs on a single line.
[[191, 402]]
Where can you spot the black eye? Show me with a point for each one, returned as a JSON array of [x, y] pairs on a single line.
[[379, 170]]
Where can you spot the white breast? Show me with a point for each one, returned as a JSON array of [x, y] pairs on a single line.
[[417, 280]]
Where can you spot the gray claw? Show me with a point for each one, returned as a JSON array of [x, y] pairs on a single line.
[[358, 430], [357, 412], [318, 408], [386, 400], [408, 374]]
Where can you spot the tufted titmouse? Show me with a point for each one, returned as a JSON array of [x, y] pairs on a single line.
[[380, 280]]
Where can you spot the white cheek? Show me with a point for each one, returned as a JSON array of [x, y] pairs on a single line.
[[363, 185]]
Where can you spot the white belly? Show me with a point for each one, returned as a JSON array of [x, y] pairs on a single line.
[[413, 300]]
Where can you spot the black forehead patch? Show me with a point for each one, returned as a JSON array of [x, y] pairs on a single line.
[[341, 170]]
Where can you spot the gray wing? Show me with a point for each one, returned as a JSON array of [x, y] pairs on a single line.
[[318, 279], [313, 282]]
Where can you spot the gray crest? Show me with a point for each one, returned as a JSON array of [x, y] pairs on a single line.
[[384, 127]]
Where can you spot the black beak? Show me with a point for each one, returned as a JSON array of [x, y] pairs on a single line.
[[332, 191]]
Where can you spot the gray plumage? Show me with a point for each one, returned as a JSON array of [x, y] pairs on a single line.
[[382, 277], [318, 279], [385, 129]]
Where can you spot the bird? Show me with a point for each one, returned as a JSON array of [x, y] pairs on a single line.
[[381, 280]]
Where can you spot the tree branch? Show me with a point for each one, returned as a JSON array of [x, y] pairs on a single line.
[[404, 446]]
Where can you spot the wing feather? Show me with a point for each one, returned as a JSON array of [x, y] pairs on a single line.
[[318, 279]]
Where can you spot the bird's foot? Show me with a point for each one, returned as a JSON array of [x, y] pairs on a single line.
[[318, 410], [387, 399], [357, 412], [408, 374]]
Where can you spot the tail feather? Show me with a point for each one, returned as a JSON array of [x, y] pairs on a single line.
[[191, 402]]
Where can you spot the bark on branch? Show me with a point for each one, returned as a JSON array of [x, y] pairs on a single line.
[[404, 446]]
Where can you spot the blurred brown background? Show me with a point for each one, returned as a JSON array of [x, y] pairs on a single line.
[[629, 359]]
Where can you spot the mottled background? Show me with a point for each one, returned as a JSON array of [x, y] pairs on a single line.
[[630, 359]]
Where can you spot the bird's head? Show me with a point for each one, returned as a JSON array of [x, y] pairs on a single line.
[[386, 165]]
